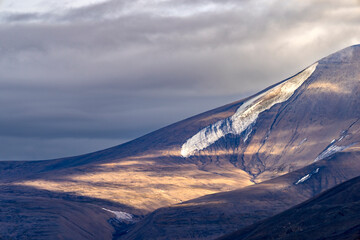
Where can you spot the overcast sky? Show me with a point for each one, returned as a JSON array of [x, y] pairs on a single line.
[[78, 76]]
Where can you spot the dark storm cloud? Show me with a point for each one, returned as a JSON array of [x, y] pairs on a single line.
[[115, 70], [21, 17]]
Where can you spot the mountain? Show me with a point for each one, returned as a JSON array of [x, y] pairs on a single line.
[[333, 214], [205, 176]]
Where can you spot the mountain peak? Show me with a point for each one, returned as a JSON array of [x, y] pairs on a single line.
[[348, 54]]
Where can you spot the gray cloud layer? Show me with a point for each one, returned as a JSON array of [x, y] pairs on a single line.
[[82, 79]]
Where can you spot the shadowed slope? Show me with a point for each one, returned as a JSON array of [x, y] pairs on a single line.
[[331, 215], [28, 213]]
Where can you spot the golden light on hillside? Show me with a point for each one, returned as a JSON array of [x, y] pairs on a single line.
[[139, 183], [329, 88]]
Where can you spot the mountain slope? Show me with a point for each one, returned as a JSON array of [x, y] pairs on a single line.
[[129, 173], [332, 215], [214, 215]]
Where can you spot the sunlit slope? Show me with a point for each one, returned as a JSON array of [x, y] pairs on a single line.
[[146, 173], [214, 215], [292, 134]]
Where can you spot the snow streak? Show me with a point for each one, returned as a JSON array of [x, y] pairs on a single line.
[[246, 114], [307, 176], [121, 216]]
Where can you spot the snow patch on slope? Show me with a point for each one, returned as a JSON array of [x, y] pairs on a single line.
[[302, 142], [332, 149], [248, 131], [307, 176], [121, 216], [246, 114]]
